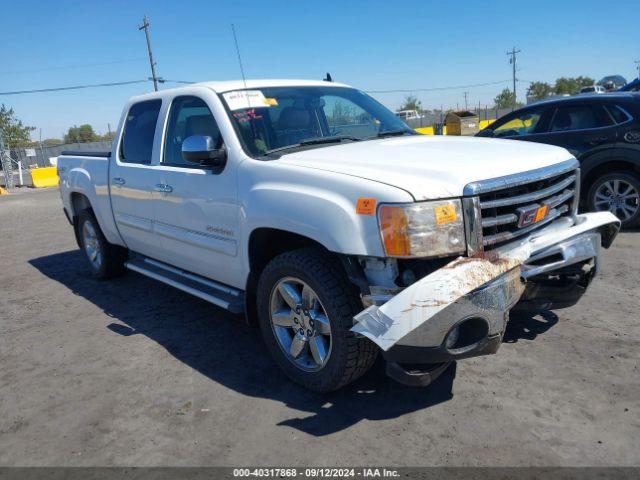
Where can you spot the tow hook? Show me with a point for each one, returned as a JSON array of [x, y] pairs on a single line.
[[416, 376]]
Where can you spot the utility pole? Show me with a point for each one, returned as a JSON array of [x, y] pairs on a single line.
[[637, 62], [512, 61], [145, 27], [466, 96]]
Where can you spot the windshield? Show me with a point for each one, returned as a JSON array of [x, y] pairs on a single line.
[[282, 118]]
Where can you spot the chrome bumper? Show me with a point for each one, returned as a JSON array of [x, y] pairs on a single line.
[[471, 297]]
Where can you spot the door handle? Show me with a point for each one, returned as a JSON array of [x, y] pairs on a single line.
[[163, 187], [119, 181]]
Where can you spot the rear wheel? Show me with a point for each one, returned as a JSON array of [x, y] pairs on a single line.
[[618, 193], [306, 306], [105, 259]]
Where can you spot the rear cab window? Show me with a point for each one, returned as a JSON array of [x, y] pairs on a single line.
[[138, 133]]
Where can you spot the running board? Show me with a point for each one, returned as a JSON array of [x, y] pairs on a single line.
[[221, 295]]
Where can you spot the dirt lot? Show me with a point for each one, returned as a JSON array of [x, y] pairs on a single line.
[[132, 372]]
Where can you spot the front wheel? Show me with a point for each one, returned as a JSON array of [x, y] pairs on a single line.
[[306, 306], [618, 193]]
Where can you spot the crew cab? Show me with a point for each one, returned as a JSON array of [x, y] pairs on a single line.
[[313, 210]]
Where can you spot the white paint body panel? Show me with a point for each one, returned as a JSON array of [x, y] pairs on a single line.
[[430, 166]]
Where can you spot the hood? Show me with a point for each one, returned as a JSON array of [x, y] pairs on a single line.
[[429, 167]]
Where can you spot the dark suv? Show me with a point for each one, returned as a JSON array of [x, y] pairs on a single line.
[[602, 131]]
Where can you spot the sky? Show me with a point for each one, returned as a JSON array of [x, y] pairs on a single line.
[[372, 45]]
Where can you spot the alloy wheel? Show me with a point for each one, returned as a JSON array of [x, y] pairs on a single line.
[[300, 324], [92, 245], [618, 197]]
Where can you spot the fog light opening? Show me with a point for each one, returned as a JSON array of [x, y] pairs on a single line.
[[466, 335]]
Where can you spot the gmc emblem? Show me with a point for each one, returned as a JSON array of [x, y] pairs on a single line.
[[531, 214]]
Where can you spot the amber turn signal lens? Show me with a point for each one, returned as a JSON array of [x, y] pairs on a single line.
[[393, 225]]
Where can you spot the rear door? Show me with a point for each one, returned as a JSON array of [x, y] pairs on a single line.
[[133, 177], [582, 128]]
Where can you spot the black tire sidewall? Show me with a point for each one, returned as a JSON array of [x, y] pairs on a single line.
[[87, 216], [625, 176], [330, 376]]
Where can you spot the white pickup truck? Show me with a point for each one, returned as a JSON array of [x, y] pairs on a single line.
[[316, 212]]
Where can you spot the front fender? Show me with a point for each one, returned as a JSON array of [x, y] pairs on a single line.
[[326, 217]]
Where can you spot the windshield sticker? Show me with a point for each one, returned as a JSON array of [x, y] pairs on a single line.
[[247, 116], [242, 99]]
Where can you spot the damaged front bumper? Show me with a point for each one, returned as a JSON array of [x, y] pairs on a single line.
[[461, 310]]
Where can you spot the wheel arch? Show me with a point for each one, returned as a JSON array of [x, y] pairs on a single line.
[[264, 245], [622, 160]]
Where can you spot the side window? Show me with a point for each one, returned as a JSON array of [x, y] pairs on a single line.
[[617, 113], [139, 130], [188, 116], [524, 123], [579, 117], [344, 117]]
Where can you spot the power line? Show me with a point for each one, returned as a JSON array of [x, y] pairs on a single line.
[[75, 87], [65, 67], [433, 89], [186, 82]]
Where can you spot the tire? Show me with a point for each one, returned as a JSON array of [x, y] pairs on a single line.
[[328, 296], [105, 259], [624, 203]]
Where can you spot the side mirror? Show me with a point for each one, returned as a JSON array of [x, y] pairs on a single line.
[[202, 150], [487, 132]]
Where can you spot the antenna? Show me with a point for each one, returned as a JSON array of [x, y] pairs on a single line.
[[235, 39]]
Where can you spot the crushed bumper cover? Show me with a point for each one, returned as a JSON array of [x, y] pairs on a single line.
[[461, 310]]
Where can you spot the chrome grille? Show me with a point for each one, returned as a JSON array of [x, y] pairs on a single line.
[[494, 211]]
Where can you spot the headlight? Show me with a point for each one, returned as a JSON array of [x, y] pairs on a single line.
[[425, 229]]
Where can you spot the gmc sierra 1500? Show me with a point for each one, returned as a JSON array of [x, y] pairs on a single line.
[[318, 213]]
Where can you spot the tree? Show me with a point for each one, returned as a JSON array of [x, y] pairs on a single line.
[[108, 137], [539, 90], [411, 102], [571, 86], [585, 81], [505, 99], [52, 141], [14, 132], [83, 133]]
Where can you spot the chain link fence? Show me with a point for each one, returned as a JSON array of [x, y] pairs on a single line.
[[428, 119], [16, 163]]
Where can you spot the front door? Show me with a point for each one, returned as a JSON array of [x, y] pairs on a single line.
[[132, 179], [196, 207]]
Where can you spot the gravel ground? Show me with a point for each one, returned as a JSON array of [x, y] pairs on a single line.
[[132, 372]]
